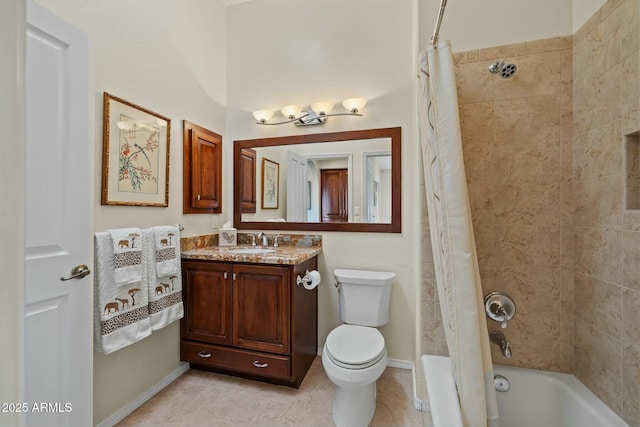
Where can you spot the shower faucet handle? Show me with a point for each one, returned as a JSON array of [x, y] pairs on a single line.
[[500, 314], [499, 307]]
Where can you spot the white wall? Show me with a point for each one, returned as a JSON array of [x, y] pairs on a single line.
[[168, 57], [583, 10], [332, 50], [477, 24], [12, 30]]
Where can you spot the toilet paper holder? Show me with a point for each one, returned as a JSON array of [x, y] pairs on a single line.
[[301, 280], [307, 281]]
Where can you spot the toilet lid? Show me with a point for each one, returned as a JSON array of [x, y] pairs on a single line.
[[355, 345]]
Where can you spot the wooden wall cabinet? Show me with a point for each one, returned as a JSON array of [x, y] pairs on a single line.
[[249, 320], [202, 170]]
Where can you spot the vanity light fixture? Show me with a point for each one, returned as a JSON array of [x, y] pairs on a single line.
[[317, 115]]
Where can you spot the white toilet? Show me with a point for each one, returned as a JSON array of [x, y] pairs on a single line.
[[354, 354]]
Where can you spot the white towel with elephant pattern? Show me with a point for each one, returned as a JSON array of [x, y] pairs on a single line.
[[127, 254], [165, 284], [121, 312], [167, 250]]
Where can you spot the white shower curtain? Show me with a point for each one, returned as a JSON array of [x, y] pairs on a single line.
[[454, 250]]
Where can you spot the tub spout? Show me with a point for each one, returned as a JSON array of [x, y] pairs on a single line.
[[500, 340]]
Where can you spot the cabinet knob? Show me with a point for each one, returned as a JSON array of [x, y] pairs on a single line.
[[225, 275], [260, 365], [204, 354]]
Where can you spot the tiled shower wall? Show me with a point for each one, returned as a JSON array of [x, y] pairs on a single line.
[[517, 147], [545, 159], [607, 244]]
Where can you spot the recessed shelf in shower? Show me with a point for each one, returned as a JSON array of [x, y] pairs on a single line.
[[632, 171]]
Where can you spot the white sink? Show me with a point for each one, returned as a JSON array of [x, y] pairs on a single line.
[[252, 251]]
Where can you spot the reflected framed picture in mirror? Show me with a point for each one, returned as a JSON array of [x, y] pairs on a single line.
[[270, 184]]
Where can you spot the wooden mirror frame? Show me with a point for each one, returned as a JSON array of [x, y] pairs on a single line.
[[396, 181]]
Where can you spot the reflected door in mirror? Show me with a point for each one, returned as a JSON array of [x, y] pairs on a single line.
[[334, 191]]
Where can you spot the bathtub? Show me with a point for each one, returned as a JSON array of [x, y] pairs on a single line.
[[535, 399]]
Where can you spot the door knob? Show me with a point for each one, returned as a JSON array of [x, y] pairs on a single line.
[[78, 272]]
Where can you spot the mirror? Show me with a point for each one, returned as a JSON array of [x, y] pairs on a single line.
[[341, 181]]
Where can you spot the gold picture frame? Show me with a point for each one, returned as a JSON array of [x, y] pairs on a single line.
[[270, 184], [135, 155]]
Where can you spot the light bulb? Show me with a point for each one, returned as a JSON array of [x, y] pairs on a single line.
[[263, 116], [291, 111], [322, 108], [354, 105]]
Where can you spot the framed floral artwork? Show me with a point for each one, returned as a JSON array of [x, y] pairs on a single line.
[[135, 155], [270, 184]]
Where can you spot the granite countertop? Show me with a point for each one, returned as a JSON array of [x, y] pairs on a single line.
[[289, 255], [294, 249]]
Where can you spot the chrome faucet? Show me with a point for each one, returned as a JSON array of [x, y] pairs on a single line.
[[498, 338], [275, 240], [265, 241]]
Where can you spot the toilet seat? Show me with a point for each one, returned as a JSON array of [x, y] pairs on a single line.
[[355, 347]]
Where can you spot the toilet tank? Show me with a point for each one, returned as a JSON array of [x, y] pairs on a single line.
[[364, 296]]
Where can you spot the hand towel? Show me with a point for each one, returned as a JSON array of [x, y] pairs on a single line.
[[121, 313], [165, 290], [167, 248], [127, 255]]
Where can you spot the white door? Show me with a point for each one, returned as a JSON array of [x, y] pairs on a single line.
[[58, 313], [369, 179], [296, 187]]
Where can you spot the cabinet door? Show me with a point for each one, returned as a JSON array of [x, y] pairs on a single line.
[[202, 170], [247, 188], [207, 293], [261, 312], [206, 159]]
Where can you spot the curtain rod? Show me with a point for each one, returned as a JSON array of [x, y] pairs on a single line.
[[434, 38]]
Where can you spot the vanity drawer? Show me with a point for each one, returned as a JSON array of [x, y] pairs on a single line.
[[250, 362]]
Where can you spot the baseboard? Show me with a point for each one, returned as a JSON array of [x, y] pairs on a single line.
[[399, 363], [419, 404], [127, 409]]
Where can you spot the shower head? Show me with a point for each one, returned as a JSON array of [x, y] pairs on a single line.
[[508, 70], [505, 70]]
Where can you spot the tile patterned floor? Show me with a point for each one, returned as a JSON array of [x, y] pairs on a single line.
[[199, 399]]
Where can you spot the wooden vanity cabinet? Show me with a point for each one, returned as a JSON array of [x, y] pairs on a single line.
[[207, 295], [250, 320], [261, 308]]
